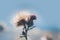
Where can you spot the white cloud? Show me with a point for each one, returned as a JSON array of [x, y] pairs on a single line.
[[34, 34]]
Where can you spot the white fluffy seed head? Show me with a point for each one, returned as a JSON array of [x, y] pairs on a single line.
[[19, 16]]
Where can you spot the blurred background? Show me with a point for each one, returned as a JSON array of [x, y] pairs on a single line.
[[48, 18]]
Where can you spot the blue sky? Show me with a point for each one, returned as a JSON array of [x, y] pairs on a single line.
[[48, 9]]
